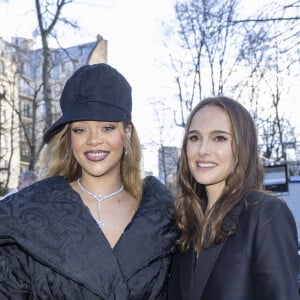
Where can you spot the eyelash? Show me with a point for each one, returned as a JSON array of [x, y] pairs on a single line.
[[77, 130], [218, 139], [193, 138], [107, 128]]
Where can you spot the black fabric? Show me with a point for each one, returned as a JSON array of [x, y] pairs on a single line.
[[259, 261], [52, 248], [93, 93]]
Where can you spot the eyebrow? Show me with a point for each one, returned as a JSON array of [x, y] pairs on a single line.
[[212, 132]]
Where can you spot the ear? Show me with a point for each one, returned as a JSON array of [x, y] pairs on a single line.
[[128, 131]]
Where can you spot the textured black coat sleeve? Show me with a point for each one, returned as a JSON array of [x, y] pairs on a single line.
[[14, 274]]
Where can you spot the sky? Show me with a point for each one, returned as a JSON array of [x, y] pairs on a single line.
[[135, 34], [133, 29]]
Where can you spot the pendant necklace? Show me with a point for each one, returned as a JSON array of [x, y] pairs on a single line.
[[99, 199]]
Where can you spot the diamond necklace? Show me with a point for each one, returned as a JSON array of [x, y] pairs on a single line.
[[99, 199]]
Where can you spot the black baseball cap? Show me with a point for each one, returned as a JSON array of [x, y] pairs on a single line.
[[93, 93]]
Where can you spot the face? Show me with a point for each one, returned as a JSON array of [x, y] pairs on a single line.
[[97, 147], [209, 148]]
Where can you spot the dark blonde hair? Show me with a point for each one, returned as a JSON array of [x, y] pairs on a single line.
[[59, 160], [191, 203]]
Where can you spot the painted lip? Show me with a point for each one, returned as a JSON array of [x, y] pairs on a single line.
[[96, 155]]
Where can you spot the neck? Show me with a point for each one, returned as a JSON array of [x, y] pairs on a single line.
[[100, 185], [212, 196], [100, 197]]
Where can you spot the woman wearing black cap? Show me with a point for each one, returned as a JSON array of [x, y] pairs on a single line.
[[93, 229]]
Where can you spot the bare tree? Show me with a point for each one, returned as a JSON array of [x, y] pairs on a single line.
[[48, 16], [8, 131], [224, 53], [268, 51], [4, 182], [167, 155], [25, 103], [208, 44]]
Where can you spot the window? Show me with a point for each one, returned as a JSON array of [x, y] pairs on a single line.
[[25, 88], [26, 109], [25, 153]]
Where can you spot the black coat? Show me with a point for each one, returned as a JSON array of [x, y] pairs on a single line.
[[52, 248], [258, 262]]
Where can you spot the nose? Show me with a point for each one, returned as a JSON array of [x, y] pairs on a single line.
[[204, 147], [94, 138]]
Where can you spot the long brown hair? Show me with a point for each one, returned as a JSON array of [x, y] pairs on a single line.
[[190, 207], [58, 159]]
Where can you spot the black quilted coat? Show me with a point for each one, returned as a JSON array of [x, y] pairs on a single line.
[[52, 248]]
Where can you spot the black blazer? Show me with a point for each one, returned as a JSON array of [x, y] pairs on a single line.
[[258, 262]]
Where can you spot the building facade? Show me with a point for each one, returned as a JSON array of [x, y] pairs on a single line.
[[22, 109], [168, 159]]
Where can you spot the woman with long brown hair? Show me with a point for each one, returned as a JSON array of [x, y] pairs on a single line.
[[237, 241]]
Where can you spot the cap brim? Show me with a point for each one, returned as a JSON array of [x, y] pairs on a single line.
[[89, 111]]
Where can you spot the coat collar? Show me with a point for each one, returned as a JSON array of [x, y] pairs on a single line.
[[203, 268], [207, 258], [50, 222]]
